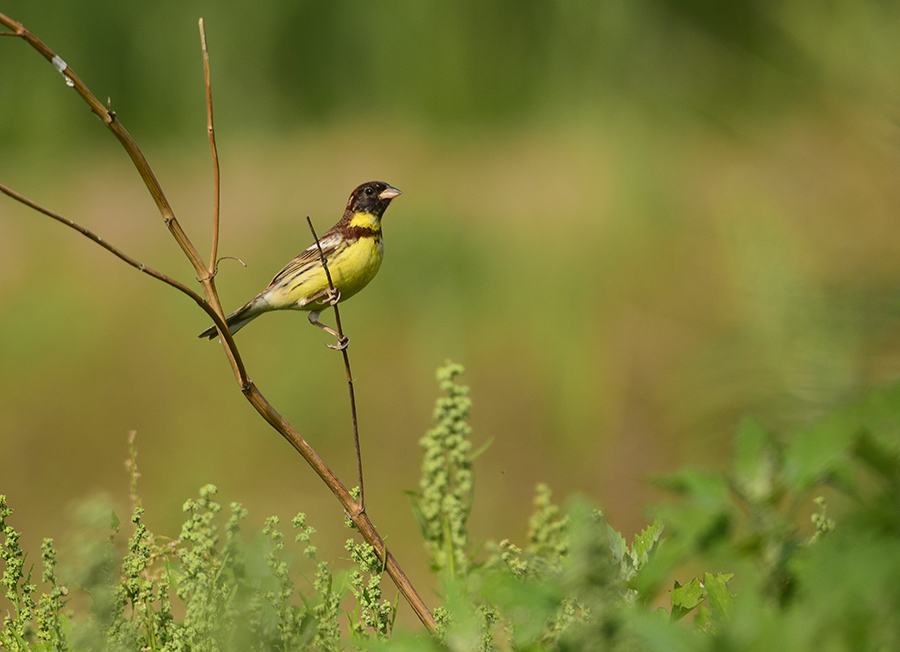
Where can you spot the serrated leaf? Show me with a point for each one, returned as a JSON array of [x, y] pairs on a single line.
[[646, 543], [685, 598], [720, 598], [617, 543]]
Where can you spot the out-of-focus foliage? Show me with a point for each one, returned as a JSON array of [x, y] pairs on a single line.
[[766, 581], [293, 62]]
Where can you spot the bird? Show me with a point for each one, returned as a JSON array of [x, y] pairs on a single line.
[[353, 250]]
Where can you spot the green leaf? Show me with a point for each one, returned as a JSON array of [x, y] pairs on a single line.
[[481, 450], [617, 543], [820, 452], [720, 599], [704, 487], [879, 458], [685, 598], [646, 543]]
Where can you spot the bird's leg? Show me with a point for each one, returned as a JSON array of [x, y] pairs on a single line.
[[343, 340]]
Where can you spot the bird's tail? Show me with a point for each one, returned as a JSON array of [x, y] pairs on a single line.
[[236, 321]]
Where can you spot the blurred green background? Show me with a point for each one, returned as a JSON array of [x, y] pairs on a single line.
[[632, 221]]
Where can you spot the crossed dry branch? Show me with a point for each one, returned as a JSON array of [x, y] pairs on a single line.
[[209, 301]]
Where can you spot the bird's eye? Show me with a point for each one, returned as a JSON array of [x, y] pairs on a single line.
[[370, 191]]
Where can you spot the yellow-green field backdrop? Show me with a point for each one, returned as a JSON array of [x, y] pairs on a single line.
[[633, 221]]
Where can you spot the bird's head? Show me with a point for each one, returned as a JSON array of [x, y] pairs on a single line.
[[371, 198]]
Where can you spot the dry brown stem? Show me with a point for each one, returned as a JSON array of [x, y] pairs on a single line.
[[340, 331]]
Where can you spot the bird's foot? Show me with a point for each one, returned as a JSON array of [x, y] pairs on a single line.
[[330, 297], [342, 342]]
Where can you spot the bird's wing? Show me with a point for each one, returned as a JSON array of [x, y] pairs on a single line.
[[309, 256]]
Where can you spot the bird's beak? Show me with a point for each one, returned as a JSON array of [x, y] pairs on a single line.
[[388, 193]]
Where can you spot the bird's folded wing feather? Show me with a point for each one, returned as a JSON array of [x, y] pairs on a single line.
[[309, 256]]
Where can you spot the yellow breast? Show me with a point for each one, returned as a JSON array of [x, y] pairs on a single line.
[[353, 267]]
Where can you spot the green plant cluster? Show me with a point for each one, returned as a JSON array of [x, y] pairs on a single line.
[[748, 559], [443, 506]]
